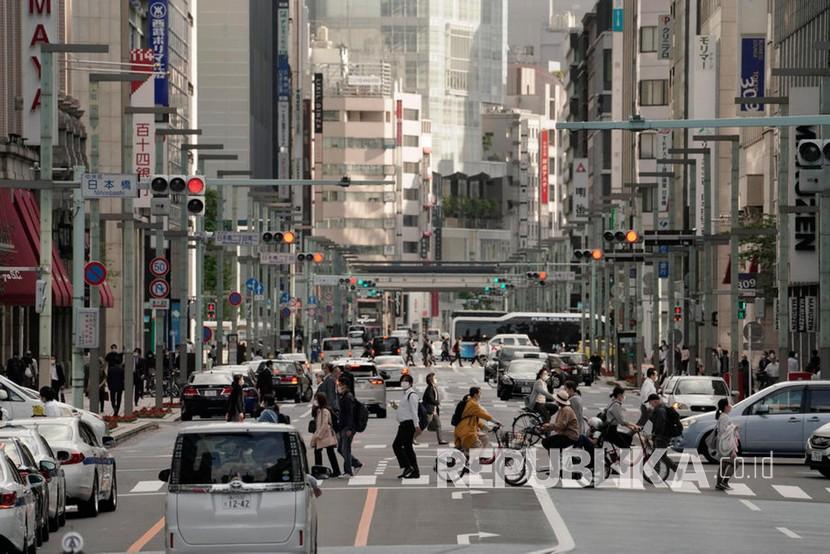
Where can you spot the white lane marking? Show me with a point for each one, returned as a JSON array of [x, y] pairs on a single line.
[[374, 446], [684, 486], [465, 538], [422, 480], [458, 495], [740, 489], [148, 486], [791, 491], [421, 445], [130, 494], [557, 524], [362, 480], [789, 533], [751, 505]]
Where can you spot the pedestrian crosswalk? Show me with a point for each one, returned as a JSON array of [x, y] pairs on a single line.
[[147, 486]]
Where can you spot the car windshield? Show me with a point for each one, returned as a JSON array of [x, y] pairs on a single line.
[[219, 458], [294, 357], [335, 344], [211, 379], [11, 451], [55, 432], [386, 344], [525, 367], [284, 367], [573, 359], [388, 360], [709, 387]]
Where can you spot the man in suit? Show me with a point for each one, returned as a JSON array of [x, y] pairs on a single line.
[[115, 379]]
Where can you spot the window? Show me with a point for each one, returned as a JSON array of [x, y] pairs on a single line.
[[410, 114], [410, 247], [647, 199], [787, 401], [648, 39], [331, 115], [607, 69], [654, 92], [648, 146], [410, 221], [411, 167], [819, 401], [411, 194], [411, 140]]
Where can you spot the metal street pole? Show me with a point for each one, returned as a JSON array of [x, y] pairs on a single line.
[[78, 232], [735, 275]]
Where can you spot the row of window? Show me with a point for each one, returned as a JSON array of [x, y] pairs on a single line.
[[412, 194], [375, 170], [366, 223], [359, 142]]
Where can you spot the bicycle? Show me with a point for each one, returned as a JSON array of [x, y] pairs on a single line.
[[515, 474], [612, 455]]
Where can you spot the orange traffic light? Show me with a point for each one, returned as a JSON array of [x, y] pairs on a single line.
[[318, 258], [288, 237], [596, 254], [543, 275], [632, 236]]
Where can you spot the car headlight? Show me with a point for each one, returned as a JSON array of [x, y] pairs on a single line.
[[506, 380], [679, 406]]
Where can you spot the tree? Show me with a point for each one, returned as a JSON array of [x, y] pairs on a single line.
[[761, 249]]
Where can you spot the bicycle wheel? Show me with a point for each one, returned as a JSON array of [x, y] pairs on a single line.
[[525, 424], [515, 467]]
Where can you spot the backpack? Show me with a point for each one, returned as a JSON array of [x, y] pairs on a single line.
[[361, 416], [458, 414], [673, 426], [423, 417]]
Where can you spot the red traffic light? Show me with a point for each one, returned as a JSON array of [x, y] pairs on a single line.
[[318, 258], [543, 275], [632, 236], [195, 185], [596, 254]]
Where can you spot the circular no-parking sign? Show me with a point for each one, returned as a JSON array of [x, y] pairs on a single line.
[[207, 334], [234, 298], [95, 273], [159, 288], [159, 267]]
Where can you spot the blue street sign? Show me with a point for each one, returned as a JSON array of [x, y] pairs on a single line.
[[285, 312], [95, 273], [617, 20], [252, 285], [207, 334], [663, 270], [284, 298], [663, 249], [312, 300]]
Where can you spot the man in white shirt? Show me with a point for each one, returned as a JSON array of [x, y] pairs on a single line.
[[772, 369], [407, 414], [792, 362], [50, 406], [647, 389]]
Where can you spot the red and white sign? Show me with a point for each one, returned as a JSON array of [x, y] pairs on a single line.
[[142, 94], [159, 267], [38, 25], [544, 168], [579, 184], [399, 123], [159, 288]]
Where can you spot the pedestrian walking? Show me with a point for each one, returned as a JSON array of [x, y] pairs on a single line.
[[323, 436], [445, 349], [814, 365], [432, 403], [727, 444], [456, 352], [660, 432], [271, 412], [596, 365], [793, 365], [407, 414], [30, 371], [57, 377], [115, 384], [236, 402], [648, 388], [265, 379], [329, 388], [348, 428], [772, 369], [139, 376], [15, 369]]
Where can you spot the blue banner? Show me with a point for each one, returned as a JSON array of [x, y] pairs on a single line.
[[753, 60], [663, 270], [158, 26], [617, 18]]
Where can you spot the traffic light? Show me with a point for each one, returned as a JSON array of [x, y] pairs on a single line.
[[623, 237], [741, 309], [279, 237], [538, 276], [192, 187], [316, 257], [595, 254], [162, 185], [632, 236], [211, 310], [678, 313], [196, 195]]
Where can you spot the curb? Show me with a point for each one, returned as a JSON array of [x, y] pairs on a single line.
[[144, 426]]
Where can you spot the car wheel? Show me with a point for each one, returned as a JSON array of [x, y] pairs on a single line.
[[111, 503], [381, 413], [89, 507], [29, 547], [186, 416], [825, 471], [703, 451], [54, 524], [62, 514]]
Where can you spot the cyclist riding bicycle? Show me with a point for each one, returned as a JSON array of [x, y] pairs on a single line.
[[469, 431], [616, 423], [539, 395]]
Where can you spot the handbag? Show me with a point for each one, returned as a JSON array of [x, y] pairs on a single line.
[[434, 423], [312, 426]]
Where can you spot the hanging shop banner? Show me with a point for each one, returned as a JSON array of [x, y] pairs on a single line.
[[159, 26], [38, 25], [544, 167], [753, 67]]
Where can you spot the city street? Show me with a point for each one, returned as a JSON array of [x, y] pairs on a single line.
[[376, 511]]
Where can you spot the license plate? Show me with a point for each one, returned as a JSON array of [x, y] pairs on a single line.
[[816, 456], [210, 393], [235, 502], [525, 389]]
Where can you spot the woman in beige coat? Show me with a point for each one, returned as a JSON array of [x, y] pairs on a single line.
[[324, 436]]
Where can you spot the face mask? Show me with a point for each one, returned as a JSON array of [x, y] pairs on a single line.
[[405, 385]]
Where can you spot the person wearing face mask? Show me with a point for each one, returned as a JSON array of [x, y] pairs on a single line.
[[727, 444], [345, 436], [407, 423], [539, 395], [139, 374], [432, 403]]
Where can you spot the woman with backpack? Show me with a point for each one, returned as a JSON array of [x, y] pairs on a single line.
[[348, 427], [432, 403], [468, 430], [726, 445], [323, 434]]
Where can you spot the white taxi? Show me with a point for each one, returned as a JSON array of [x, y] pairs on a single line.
[[18, 516], [87, 464]]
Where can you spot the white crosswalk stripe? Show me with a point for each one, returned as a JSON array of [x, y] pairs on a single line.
[[740, 489], [684, 486], [148, 486], [363, 480], [791, 491], [422, 480]]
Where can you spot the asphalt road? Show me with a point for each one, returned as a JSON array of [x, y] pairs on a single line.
[[786, 510]]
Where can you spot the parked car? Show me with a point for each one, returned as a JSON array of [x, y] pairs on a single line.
[[518, 378], [500, 359], [391, 368], [369, 385], [48, 466], [578, 367], [240, 487], [299, 357], [818, 450], [291, 380], [18, 510], [24, 461], [333, 348], [385, 346], [777, 419], [88, 465], [693, 394], [207, 392]]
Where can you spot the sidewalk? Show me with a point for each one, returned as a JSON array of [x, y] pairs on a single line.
[[126, 430]]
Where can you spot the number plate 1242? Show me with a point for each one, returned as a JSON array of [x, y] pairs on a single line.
[[236, 502]]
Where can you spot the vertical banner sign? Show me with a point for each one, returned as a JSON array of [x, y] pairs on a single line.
[[751, 80], [142, 94], [803, 226], [617, 16], [794, 317], [307, 152], [283, 91], [318, 103], [704, 89], [544, 169], [38, 25], [399, 123], [664, 28], [579, 182], [158, 21], [664, 143], [811, 311]]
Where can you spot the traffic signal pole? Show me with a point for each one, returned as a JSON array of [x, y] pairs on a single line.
[[735, 275]]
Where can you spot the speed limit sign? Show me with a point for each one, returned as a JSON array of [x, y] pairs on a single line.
[[159, 267]]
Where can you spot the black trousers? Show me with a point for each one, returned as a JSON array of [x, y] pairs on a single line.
[[318, 459], [402, 446], [115, 400]]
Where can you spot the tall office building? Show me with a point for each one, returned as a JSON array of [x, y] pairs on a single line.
[[451, 52]]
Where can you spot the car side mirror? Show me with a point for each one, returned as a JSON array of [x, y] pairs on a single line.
[[48, 466], [762, 409], [320, 472], [4, 395], [35, 479], [164, 475], [63, 455], [108, 441]]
